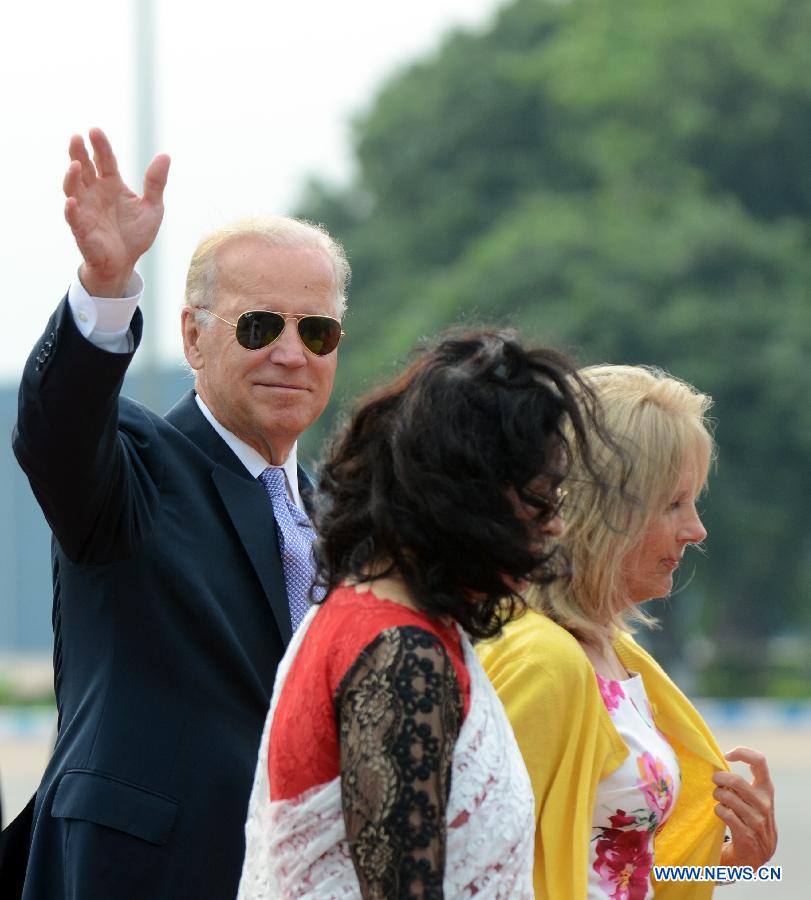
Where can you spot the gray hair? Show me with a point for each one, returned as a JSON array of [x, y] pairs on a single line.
[[277, 231]]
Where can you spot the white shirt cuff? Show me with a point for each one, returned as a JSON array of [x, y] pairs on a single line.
[[105, 321]]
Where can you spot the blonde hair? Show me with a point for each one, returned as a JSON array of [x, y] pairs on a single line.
[[277, 231], [661, 424]]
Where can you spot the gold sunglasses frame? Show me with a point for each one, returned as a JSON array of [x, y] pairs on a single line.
[[297, 317]]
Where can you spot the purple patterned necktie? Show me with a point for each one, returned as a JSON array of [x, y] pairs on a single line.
[[296, 538]]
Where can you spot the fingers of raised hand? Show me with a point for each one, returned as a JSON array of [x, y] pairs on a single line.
[[739, 783], [748, 810], [74, 189], [756, 762], [103, 155], [72, 184], [78, 153], [750, 807], [754, 801], [155, 179], [79, 224], [72, 214]]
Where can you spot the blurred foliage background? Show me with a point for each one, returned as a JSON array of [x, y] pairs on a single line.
[[629, 181]]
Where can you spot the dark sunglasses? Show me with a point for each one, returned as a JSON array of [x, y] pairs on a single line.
[[260, 327]]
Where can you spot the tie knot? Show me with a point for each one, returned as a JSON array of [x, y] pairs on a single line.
[[273, 480]]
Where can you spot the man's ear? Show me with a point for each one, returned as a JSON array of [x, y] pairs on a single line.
[[192, 331]]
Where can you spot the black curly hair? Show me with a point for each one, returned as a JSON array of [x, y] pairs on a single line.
[[423, 479]]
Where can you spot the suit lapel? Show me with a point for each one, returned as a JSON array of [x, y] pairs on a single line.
[[249, 508], [247, 504], [185, 415], [305, 489]]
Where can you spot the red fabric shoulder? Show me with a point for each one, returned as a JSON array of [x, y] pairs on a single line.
[[303, 749]]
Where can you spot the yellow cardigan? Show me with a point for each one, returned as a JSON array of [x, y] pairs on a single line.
[[569, 744]]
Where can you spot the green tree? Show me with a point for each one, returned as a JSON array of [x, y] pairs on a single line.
[[630, 180]]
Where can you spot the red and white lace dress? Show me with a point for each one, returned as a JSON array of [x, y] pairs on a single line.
[[386, 760]]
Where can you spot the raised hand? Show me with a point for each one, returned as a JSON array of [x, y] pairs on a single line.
[[112, 225], [747, 809]]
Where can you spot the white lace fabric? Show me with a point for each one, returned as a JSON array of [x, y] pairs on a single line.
[[298, 848]]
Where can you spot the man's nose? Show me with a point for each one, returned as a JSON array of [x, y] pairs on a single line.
[[287, 349]]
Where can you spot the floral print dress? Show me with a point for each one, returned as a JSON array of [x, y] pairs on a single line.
[[634, 801]]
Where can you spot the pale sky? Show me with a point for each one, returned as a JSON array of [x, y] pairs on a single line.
[[252, 96]]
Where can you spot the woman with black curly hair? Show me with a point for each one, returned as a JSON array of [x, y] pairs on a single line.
[[387, 767]]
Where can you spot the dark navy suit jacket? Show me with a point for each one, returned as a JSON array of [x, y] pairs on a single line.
[[170, 616]]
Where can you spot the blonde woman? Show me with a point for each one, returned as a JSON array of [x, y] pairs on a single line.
[[625, 773]]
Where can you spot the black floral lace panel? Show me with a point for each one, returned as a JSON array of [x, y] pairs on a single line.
[[399, 712]]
